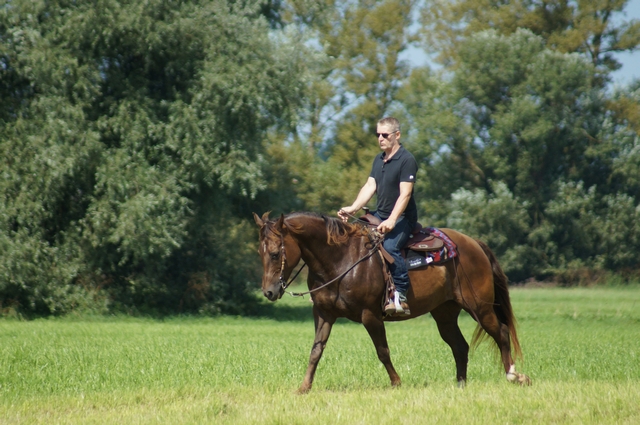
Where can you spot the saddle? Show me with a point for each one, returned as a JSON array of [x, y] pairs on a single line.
[[421, 239], [422, 249]]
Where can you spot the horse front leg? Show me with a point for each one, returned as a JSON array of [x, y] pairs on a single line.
[[375, 327], [323, 330]]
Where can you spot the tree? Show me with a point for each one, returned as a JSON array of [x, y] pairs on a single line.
[[357, 74], [501, 221], [132, 139], [587, 27], [441, 139], [521, 128]]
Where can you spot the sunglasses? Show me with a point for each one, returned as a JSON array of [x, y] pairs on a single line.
[[386, 135]]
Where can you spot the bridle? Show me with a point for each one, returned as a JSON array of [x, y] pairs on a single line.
[[283, 254], [376, 241]]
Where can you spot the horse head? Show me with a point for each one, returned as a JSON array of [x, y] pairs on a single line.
[[280, 254]]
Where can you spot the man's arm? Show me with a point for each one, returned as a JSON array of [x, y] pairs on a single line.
[[403, 200], [364, 196]]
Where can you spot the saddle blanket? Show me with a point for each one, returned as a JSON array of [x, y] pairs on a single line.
[[416, 259]]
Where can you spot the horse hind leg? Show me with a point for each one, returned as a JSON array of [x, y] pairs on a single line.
[[446, 317], [497, 319], [517, 377], [375, 327], [500, 334]]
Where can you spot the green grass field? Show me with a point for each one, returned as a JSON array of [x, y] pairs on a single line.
[[581, 347]]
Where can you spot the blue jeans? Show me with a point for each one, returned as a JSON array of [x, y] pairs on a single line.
[[394, 241]]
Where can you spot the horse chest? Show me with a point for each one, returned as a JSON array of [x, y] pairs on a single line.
[[324, 301]]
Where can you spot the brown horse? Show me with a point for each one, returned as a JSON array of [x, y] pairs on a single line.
[[347, 278]]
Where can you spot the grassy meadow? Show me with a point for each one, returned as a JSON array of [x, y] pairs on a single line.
[[581, 348]]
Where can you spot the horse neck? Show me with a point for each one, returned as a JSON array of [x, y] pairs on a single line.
[[313, 242]]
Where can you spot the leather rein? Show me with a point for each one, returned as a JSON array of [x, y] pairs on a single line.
[[377, 241]]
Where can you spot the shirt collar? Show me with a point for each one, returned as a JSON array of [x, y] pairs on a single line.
[[395, 156]]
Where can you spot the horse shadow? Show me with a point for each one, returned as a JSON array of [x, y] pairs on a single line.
[[301, 311]]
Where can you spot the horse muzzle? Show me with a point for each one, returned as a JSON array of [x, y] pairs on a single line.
[[274, 293]]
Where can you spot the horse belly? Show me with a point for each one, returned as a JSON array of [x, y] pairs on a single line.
[[430, 287]]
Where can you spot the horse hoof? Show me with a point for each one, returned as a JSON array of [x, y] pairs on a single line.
[[303, 390], [524, 380], [462, 383], [519, 378]]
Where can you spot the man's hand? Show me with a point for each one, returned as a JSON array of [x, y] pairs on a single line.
[[346, 213], [365, 194], [386, 226]]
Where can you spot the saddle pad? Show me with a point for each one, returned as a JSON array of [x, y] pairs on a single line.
[[416, 259]]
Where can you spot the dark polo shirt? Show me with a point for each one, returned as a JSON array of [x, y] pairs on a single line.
[[402, 167]]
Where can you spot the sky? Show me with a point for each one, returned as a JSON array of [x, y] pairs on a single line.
[[629, 71], [630, 61]]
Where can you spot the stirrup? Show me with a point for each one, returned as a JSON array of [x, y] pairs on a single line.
[[396, 307]]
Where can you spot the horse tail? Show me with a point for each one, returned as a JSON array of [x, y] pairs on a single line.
[[502, 303]]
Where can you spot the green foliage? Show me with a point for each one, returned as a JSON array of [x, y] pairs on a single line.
[[625, 142], [534, 112], [620, 232], [440, 137], [356, 74], [536, 163], [132, 138], [588, 27], [501, 221], [136, 138]]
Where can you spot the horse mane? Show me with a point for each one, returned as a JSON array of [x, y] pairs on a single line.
[[338, 232]]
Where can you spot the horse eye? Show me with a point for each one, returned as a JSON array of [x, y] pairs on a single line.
[[275, 255]]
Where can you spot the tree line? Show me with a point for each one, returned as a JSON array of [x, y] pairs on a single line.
[[136, 138]]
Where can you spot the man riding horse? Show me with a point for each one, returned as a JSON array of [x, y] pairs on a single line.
[[392, 178], [347, 279]]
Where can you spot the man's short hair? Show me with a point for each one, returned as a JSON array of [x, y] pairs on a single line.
[[390, 121]]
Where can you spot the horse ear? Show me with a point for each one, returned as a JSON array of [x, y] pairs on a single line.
[[258, 220], [261, 221], [280, 223]]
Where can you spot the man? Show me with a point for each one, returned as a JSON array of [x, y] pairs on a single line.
[[392, 177]]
